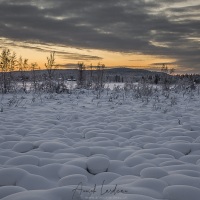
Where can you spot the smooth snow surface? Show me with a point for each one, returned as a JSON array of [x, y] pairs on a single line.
[[77, 146]]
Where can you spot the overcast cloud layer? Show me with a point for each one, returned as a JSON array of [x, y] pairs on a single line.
[[151, 27]]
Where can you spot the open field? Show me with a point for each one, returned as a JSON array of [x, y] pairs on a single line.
[[135, 144]]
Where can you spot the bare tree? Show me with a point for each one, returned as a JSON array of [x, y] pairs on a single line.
[[171, 71], [23, 67], [33, 68], [167, 70], [7, 65], [91, 71], [81, 68], [167, 80], [164, 68], [100, 74], [50, 65]]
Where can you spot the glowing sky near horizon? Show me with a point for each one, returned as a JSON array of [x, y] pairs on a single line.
[[140, 34]]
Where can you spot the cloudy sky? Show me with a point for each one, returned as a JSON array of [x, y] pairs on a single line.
[[137, 33]]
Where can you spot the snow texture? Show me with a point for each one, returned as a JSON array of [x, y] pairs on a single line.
[[76, 146]]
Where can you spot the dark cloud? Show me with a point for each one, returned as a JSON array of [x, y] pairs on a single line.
[[76, 56], [145, 26], [68, 66]]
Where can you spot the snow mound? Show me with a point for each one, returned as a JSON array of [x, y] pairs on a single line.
[[182, 192], [97, 164], [11, 176], [153, 172], [8, 190], [51, 194], [180, 179], [67, 170], [23, 147], [104, 178], [75, 179], [147, 148], [24, 159], [52, 146]]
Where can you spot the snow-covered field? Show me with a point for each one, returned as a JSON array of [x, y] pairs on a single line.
[[116, 146]]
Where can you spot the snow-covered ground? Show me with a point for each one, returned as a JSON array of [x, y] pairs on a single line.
[[116, 146]]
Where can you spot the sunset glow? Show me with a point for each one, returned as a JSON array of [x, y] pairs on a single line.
[[142, 34], [68, 57]]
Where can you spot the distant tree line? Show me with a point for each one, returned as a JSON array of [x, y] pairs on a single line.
[[14, 69]]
